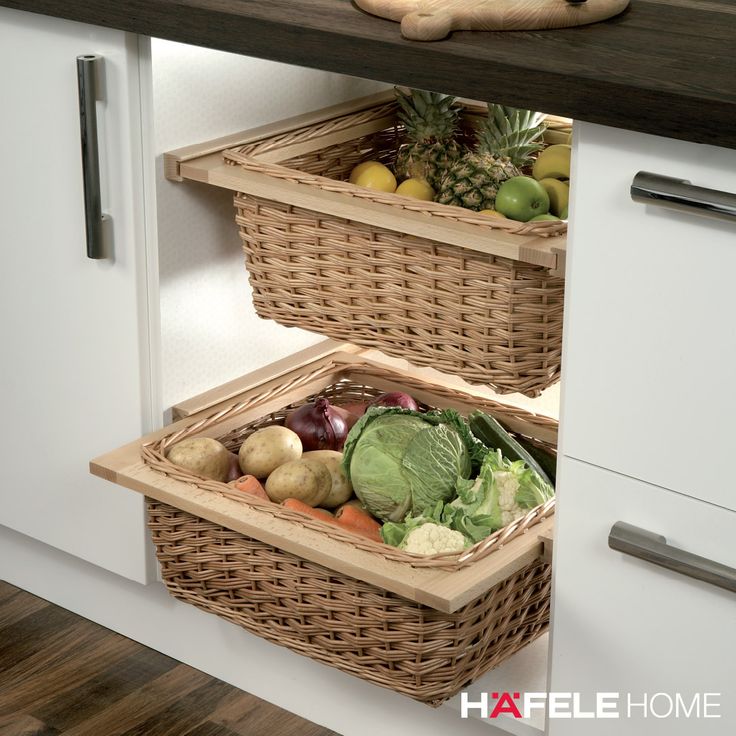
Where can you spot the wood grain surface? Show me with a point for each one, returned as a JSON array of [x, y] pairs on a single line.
[[663, 66], [63, 675], [433, 20]]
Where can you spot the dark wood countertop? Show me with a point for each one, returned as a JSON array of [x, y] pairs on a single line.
[[664, 66]]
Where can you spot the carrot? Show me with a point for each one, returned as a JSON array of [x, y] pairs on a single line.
[[352, 502], [296, 505], [323, 515], [250, 484], [361, 522]]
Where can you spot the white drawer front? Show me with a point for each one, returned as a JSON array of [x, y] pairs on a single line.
[[650, 334], [622, 625]]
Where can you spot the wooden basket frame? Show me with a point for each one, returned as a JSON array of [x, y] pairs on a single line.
[[425, 645], [154, 456], [205, 162], [259, 395], [281, 157]]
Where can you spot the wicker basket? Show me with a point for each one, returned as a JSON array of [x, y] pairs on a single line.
[[335, 618], [332, 268], [343, 622]]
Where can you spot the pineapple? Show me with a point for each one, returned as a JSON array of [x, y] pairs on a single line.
[[474, 180], [431, 121], [514, 134], [506, 142]]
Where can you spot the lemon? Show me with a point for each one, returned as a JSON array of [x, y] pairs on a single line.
[[559, 194], [553, 163], [493, 213], [376, 177], [360, 168], [417, 188]]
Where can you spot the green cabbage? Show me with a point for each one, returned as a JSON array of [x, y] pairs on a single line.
[[402, 462], [375, 468]]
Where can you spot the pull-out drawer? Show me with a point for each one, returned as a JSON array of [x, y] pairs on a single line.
[[622, 625], [440, 285], [424, 626], [650, 335]]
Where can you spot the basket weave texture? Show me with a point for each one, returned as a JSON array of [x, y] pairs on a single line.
[[342, 622], [488, 319]]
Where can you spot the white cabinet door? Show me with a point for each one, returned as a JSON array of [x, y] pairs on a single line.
[[622, 625], [650, 335], [75, 371]]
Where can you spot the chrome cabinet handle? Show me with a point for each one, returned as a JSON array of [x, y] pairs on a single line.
[[87, 67], [682, 196], [646, 545]]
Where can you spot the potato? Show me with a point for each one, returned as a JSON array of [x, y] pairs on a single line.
[[342, 489], [268, 448], [202, 455], [306, 480]]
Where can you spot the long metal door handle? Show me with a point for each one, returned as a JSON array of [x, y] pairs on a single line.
[[87, 68], [682, 196], [646, 545]]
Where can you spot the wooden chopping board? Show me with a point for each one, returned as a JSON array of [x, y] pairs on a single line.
[[432, 20]]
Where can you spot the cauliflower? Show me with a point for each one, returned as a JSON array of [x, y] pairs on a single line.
[[508, 485], [503, 492], [431, 539]]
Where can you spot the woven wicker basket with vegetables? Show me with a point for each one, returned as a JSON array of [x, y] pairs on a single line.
[[328, 511], [427, 482]]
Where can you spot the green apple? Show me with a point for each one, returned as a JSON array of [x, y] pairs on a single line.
[[559, 194], [521, 198], [563, 214], [540, 218]]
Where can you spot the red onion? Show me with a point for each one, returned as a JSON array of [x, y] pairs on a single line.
[[353, 412], [320, 426], [234, 472], [395, 398]]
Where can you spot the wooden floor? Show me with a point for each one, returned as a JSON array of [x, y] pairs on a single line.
[[62, 675]]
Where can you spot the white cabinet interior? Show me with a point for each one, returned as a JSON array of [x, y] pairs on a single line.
[[210, 331]]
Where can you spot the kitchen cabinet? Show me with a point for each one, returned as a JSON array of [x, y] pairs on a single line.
[[647, 366], [89, 361], [648, 347], [622, 625], [76, 369], [650, 339]]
